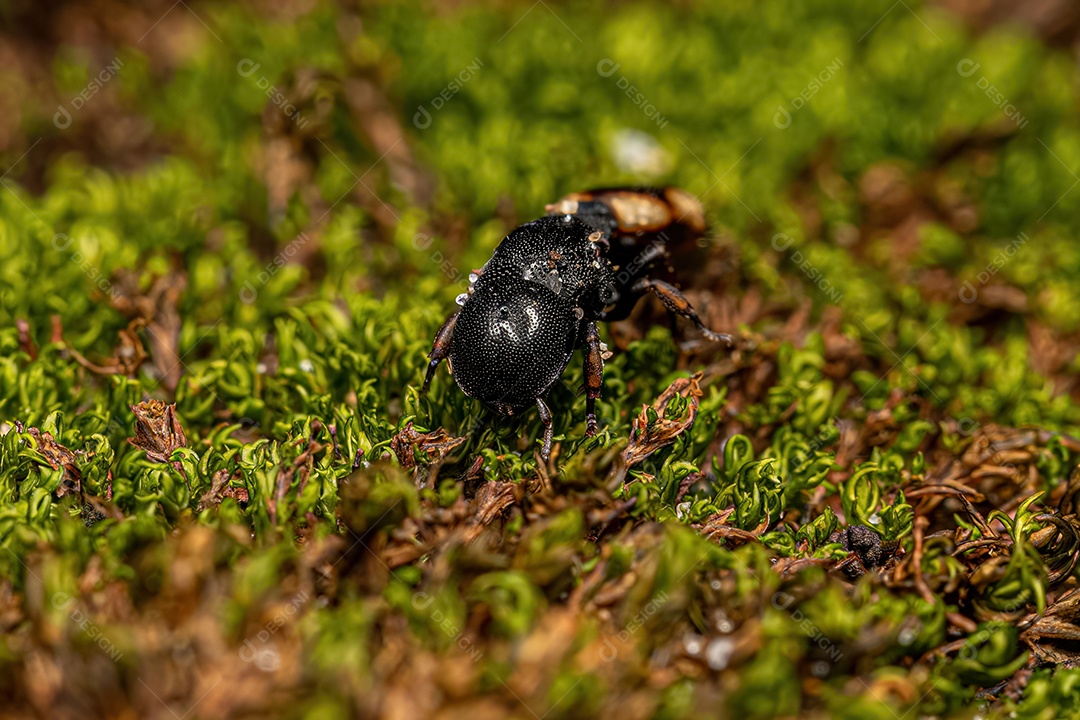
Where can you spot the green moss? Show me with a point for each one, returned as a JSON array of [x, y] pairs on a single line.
[[908, 317]]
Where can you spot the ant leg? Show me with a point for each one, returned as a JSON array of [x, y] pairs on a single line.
[[439, 349], [676, 302], [652, 252], [545, 417], [594, 376]]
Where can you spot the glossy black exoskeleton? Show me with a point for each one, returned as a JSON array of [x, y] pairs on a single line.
[[546, 286]]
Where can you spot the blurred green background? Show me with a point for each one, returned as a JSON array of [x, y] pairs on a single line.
[[264, 210]]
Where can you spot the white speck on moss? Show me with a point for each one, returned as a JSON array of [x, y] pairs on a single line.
[[718, 654], [693, 645], [639, 152]]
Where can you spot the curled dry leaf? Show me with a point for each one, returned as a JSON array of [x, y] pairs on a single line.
[[26, 342], [717, 529], [220, 489], [646, 438], [492, 499], [157, 430], [156, 309], [59, 457], [437, 443], [127, 359]]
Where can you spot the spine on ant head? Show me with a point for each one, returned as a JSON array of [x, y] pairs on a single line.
[[634, 211]]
